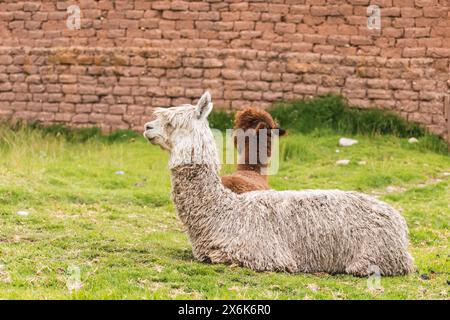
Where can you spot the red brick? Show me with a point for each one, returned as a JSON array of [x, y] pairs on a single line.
[[80, 118], [285, 28], [212, 63], [438, 52], [431, 107], [413, 52], [5, 60], [377, 83], [379, 94], [406, 95], [403, 22], [426, 3], [231, 74], [278, 8], [435, 12], [199, 6], [7, 96], [118, 109], [5, 86], [66, 78], [243, 6], [305, 89], [122, 90], [272, 96], [411, 12], [161, 102], [161, 5], [244, 25], [392, 32], [253, 95]]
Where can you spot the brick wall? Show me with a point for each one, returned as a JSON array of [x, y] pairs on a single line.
[[131, 56]]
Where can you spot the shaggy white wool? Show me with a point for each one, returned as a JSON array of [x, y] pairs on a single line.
[[296, 231]]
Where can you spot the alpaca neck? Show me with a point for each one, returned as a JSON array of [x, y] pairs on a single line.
[[196, 188], [198, 148], [258, 168], [244, 165]]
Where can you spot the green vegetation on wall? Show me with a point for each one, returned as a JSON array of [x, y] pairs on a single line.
[[331, 113]]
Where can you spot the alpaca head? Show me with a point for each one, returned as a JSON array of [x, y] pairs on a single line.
[[250, 126], [184, 132], [255, 118]]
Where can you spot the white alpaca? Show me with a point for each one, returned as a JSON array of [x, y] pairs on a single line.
[[296, 231]]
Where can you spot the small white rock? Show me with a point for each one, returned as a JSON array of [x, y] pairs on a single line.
[[74, 285], [362, 163], [446, 174], [343, 162], [346, 142], [413, 140], [337, 150], [392, 189], [22, 213], [313, 287], [120, 172]]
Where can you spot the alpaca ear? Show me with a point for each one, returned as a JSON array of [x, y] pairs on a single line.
[[204, 106], [260, 126], [282, 132]]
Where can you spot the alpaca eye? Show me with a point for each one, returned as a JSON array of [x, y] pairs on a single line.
[[168, 126]]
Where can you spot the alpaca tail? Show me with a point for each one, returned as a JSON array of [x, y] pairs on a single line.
[[409, 266], [404, 266]]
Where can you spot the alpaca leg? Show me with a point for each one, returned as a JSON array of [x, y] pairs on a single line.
[[359, 268], [409, 265], [404, 265], [388, 264], [362, 263], [385, 263]]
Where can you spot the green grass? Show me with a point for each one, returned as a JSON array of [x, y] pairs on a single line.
[[123, 233], [331, 111]]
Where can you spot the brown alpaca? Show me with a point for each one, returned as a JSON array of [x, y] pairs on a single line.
[[249, 177]]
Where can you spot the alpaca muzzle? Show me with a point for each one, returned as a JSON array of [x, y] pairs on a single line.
[[281, 132], [148, 128]]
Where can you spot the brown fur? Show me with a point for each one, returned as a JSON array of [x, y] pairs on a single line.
[[248, 176]]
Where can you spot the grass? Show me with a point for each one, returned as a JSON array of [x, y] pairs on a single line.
[[123, 236]]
